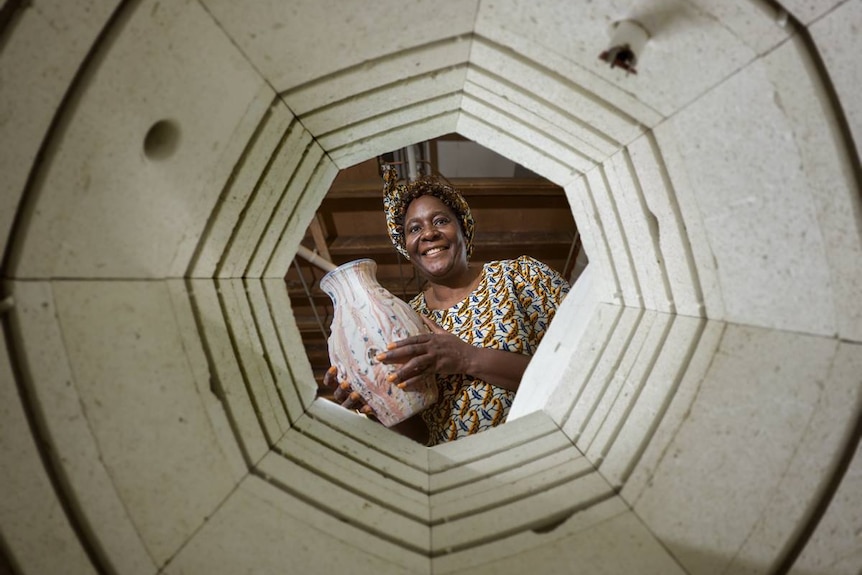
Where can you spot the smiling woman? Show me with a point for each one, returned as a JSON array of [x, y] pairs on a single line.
[[486, 319]]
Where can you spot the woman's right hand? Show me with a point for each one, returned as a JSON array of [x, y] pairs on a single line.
[[344, 395]]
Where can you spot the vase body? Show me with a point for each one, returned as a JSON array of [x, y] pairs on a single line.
[[366, 319]]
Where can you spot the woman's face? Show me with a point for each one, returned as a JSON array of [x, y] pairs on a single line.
[[434, 239]]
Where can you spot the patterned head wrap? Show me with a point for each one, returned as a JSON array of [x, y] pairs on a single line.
[[396, 198]]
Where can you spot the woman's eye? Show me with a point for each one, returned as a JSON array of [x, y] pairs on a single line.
[[413, 229], [441, 221]]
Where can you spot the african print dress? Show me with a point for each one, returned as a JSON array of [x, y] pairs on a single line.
[[510, 309]]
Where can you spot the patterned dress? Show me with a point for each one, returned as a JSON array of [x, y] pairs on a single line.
[[510, 309]]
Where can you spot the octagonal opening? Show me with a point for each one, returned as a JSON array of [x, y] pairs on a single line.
[[517, 212]]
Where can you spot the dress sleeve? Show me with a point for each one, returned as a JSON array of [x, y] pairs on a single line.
[[541, 292]]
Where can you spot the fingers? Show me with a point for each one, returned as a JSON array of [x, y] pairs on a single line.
[[403, 351], [412, 383], [342, 392], [432, 325], [412, 371], [353, 401], [330, 378], [422, 338]]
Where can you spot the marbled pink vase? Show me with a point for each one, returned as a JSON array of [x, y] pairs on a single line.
[[367, 318]]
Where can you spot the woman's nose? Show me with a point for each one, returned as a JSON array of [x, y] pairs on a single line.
[[430, 232]]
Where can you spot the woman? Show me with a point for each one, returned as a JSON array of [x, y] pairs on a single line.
[[486, 320]]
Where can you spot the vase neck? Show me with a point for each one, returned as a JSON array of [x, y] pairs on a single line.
[[350, 278]]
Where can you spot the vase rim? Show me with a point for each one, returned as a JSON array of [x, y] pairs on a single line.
[[347, 266]]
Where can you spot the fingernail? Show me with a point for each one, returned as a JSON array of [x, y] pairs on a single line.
[[366, 409], [391, 377], [380, 356], [401, 385], [332, 369], [390, 346], [344, 385], [354, 396]]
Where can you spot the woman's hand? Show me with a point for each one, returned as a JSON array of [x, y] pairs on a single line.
[[344, 395], [441, 352], [428, 353]]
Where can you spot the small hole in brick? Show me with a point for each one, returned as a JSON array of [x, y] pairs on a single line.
[[162, 140], [549, 526]]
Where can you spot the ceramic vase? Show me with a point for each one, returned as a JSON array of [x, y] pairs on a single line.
[[366, 319]]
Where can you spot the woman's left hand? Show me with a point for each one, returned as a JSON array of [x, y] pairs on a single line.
[[436, 352]]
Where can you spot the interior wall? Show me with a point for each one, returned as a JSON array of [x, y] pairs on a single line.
[[694, 408]]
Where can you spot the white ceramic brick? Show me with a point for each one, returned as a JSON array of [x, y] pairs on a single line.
[[80, 457], [262, 529], [594, 241], [252, 163], [601, 394], [675, 415], [509, 27], [534, 131], [641, 228], [744, 429], [347, 500], [664, 219], [276, 251], [43, 48], [504, 550], [421, 129], [534, 87], [620, 544], [106, 209], [702, 263], [37, 535], [367, 442], [499, 439], [618, 242], [528, 109], [283, 211], [144, 409], [227, 376], [671, 71], [565, 466], [494, 138], [303, 212], [374, 74], [808, 10], [369, 482], [829, 430], [746, 169], [601, 372], [250, 356], [828, 167], [198, 254], [546, 371], [290, 341], [258, 210], [187, 330], [273, 349], [582, 360], [394, 119], [658, 392], [407, 92], [553, 117], [489, 467], [835, 546], [353, 34], [525, 513], [756, 23], [838, 42], [634, 383]]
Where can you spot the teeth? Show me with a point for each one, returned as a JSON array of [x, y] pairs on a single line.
[[433, 251]]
